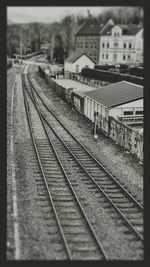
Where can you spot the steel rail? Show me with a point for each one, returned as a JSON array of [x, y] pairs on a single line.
[[42, 171], [97, 185], [116, 208], [78, 202], [88, 152]]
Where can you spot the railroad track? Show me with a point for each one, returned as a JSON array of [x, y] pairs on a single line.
[[117, 195], [121, 204], [65, 214]]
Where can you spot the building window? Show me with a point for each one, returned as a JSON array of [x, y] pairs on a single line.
[[77, 68], [106, 56], [128, 113], [124, 45], [102, 56], [124, 57], [103, 45], [115, 44], [115, 56], [129, 57], [81, 45], [130, 45], [95, 58], [107, 45], [86, 44], [139, 112], [116, 33]]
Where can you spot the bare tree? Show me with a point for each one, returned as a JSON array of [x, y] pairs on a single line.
[[68, 24]]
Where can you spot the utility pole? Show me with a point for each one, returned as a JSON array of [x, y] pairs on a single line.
[[30, 40], [20, 43], [52, 47]]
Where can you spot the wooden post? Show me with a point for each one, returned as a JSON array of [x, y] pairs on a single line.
[[95, 124]]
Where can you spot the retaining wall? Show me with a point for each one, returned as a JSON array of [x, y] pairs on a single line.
[[126, 137]]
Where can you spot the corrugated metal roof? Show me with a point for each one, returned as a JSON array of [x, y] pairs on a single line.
[[117, 93], [74, 55]]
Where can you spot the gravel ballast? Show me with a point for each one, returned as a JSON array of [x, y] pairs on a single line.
[[121, 164], [34, 241], [33, 237]]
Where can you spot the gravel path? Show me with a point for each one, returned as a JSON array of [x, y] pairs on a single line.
[[10, 244], [34, 242]]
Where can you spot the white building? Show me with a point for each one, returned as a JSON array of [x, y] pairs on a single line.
[[122, 100], [76, 61], [121, 44]]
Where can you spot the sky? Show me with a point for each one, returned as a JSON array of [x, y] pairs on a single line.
[[47, 14]]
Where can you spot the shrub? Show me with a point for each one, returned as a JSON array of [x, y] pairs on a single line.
[[110, 76]]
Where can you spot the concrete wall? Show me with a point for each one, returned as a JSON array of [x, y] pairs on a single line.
[[126, 137], [120, 133]]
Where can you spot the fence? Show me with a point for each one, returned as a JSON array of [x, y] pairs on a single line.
[[86, 80], [110, 76], [120, 133]]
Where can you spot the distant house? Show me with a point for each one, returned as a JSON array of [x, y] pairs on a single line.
[[76, 61], [121, 44], [87, 38], [122, 100]]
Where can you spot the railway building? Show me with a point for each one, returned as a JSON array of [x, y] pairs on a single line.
[[122, 100], [76, 61]]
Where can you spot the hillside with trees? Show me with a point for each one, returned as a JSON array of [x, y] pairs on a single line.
[[29, 37]]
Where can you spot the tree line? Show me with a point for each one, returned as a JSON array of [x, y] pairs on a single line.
[[28, 38]]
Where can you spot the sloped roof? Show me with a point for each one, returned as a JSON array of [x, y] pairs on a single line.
[[130, 29], [107, 30], [90, 28], [117, 94], [74, 55]]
